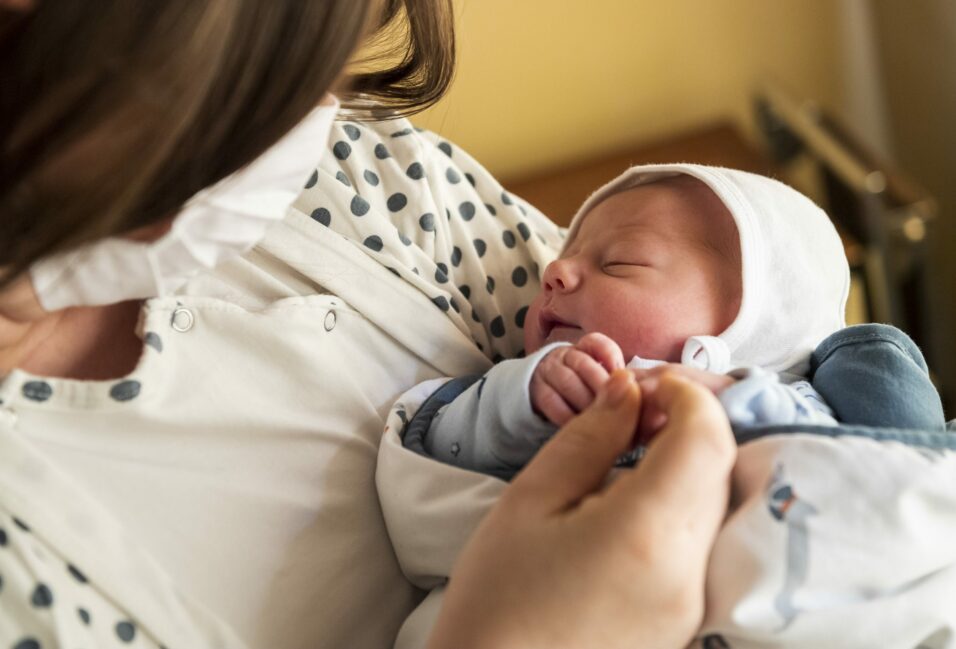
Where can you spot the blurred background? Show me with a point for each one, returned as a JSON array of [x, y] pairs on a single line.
[[850, 101]]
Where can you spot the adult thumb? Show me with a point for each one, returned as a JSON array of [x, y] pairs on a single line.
[[685, 472], [576, 461]]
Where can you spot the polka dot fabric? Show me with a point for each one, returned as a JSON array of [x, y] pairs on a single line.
[[434, 217], [47, 602]]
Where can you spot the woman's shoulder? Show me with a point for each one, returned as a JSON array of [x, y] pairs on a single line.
[[437, 220]]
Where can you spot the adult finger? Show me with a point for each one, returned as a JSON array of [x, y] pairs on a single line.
[[687, 465], [576, 461]]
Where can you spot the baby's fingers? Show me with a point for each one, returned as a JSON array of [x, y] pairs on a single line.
[[590, 371], [549, 404], [602, 349]]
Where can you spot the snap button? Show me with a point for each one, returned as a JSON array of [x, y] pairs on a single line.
[[182, 320], [330, 321]]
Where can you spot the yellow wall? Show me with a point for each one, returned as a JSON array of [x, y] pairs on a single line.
[[543, 82]]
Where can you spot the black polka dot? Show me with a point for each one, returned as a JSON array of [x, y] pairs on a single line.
[[454, 305], [441, 273], [342, 150], [535, 269], [27, 643], [480, 347], [42, 596], [476, 318], [373, 242], [524, 231], [491, 209], [506, 199], [125, 631], [519, 276], [448, 214], [3, 537], [125, 390], [427, 222], [1, 583], [342, 178], [352, 131], [467, 210], [498, 327], [521, 209], [402, 133], [497, 358], [415, 270], [152, 339], [84, 615], [77, 575], [405, 240], [322, 215], [37, 390], [480, 247], [465, 290], [370, 177], [445, 147], [403, 416], [359, 206], [381, 152], [397, 201], [440, 302], [490, 284], [520, 316], [455, 256], [453, 177], [509, 238], [314, 178], [23, 526], [415, 171], [470, 178]]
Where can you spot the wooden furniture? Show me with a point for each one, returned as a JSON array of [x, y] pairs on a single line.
[[559, 192]]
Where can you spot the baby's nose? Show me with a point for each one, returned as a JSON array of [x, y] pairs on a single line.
[[560, 276]]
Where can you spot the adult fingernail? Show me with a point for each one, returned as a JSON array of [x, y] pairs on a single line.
[[617, 387]]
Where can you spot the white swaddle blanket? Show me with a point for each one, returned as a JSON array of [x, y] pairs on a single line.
[[836, 536]]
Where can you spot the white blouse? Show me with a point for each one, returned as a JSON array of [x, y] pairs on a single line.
[[239, 454]]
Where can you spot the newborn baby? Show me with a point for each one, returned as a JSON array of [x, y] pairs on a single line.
[[712, 269], [836, 535]]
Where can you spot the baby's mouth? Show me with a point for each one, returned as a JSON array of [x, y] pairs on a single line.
[[557, 330]]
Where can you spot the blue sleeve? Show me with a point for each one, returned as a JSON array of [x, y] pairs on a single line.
[[484, 425], [875, 375], [760, 398]]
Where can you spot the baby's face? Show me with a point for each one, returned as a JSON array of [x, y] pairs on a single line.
[[649, 267]]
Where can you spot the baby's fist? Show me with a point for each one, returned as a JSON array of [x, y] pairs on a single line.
[[567, 379]]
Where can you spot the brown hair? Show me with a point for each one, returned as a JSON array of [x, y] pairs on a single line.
[[113, 113]]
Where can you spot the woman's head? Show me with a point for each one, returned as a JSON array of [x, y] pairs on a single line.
[[114, 113]]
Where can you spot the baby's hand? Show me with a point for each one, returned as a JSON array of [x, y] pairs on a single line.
[[652, 417], [566, 379]]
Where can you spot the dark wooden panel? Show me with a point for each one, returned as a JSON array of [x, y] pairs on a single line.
[[559, 192]]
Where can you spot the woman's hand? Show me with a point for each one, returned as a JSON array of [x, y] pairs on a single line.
[[654, 418], [565, 561]]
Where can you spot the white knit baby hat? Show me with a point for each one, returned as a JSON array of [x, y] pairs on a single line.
[[795, 273]]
